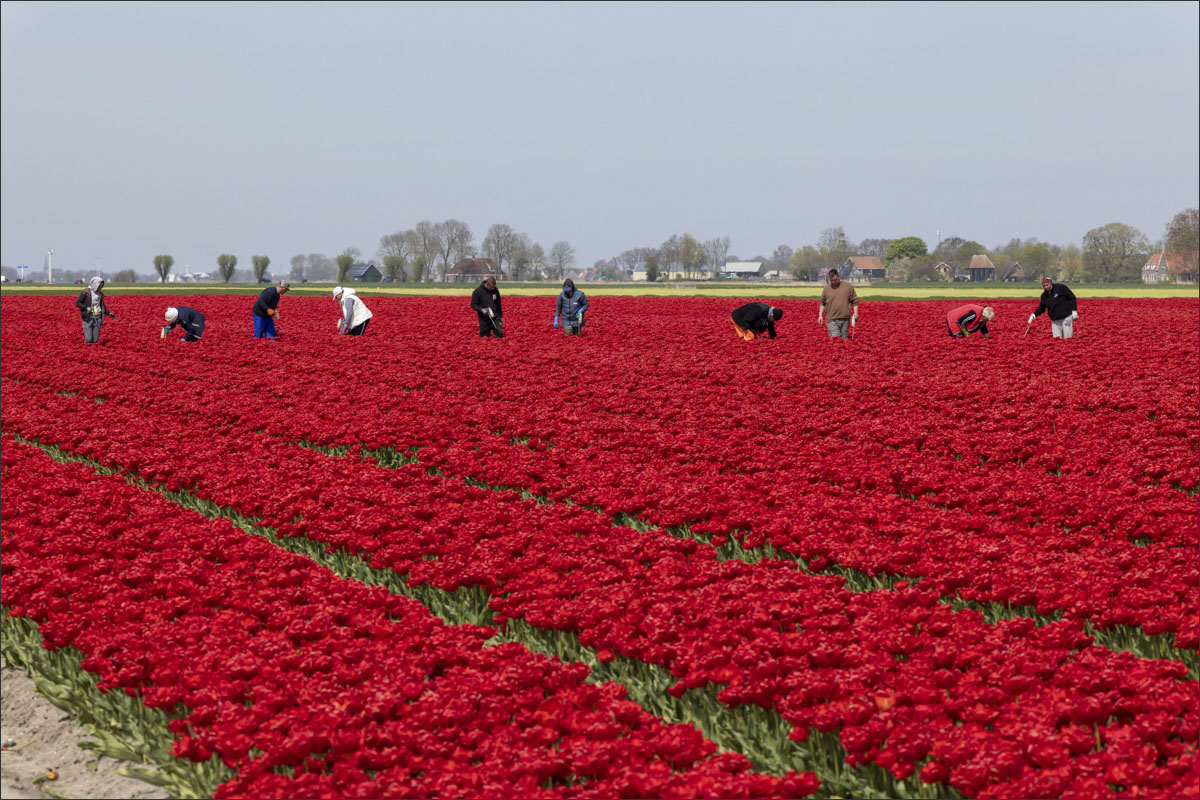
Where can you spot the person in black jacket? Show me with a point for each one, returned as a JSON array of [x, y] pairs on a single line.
[[486, 302], [189, 319], [752, 320], [93, 310], [265, 310], [1060, 306]]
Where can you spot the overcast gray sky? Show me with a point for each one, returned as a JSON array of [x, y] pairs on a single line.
[[132, 129]]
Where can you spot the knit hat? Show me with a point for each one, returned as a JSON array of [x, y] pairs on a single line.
[[172, 314], [775, 313]]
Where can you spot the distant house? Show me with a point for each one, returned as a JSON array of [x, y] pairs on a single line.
[[981, 269], [1015, 273], [1158, 269], [865, 267], [364, 273], [946, 272], [470, 270], [742, 269]]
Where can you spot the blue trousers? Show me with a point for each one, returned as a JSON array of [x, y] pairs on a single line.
[[264, 326]]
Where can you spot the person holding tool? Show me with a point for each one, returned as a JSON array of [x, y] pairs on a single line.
[[355, 314], [569, 307], [189, 319], [752, 320], [92, 310], [1059, 303], [486, 302], [961, 322], [266, 312]]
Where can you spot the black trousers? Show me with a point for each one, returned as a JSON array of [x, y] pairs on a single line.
[[358, 329], [488, 328]]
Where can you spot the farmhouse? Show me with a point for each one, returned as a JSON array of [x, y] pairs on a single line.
[[742, 269], [1015, 273], [1164, 267], [469, 270], [364, 273], [981, 269], [865, 267]]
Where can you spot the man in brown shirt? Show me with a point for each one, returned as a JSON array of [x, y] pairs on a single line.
[[839, 307]]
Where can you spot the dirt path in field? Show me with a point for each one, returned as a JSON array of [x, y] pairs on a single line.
[[38, 736]]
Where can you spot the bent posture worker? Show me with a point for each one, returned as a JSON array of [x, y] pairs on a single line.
[[961, 322], [752, 320]]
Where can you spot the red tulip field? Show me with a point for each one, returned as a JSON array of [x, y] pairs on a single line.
[[655, 560]]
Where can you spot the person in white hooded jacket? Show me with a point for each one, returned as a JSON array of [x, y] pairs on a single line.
[[355, 314]]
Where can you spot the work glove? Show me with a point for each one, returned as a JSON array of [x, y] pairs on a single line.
[[966, 334], [1074, 315], [580, 317], [1032, 317], [556, 320]]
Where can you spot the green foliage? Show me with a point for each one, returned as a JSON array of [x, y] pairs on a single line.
[[1114, 252], [418, 269], [259, 266], [162, 265], [1183, 243], [652, 271], [125, 276], [908, 247], [344, 262], [805, 263], [226, 265], [393, 267]]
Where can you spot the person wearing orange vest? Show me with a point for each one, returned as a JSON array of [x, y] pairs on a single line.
[[961, 322]]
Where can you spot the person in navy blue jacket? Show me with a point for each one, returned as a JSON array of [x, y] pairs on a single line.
[[265, 310], [188, 319], [569, 308]]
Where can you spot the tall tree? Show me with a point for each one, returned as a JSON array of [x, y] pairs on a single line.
[[668, 255], [1183, 243], [805, 263], [1114, 252], [320, 267], [395, 244], [418, 269], [427, 243], [345, 261], [652, 269], [259, 265], [455, 242], [528, 258], [562, 258], [781, 258], [715, 251], [873, 247], [297, 272], [499, 245], [226, 265], [1070, 264], [162, 265], [691, 255], [1036, 258], [907, 247]]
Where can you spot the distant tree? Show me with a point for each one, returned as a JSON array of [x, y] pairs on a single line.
[[562, 258], [1037, 259], [162, 265], [455, 242], [297, 272], [805, 263], [716, 252], [418, 269], [226, 266], [652, 270], [668, 253], [897, 269], [426, 242], [873, 247], [345, 261], [781, 258], [691, 254], [1182, 242], [837, 248], [259, 266], [1114, 252], [393, 267], [908, 247], [320, 267], [125, 276], [1069, 266], [499, 245], [921, 268]]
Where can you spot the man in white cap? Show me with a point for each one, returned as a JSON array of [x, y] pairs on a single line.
[[189, 319], [961, 322], [355, 314]]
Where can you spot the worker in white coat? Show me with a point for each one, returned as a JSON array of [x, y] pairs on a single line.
[[355, 314]]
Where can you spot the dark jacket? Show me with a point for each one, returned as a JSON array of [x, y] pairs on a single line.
[[268, 299], [482, 299], [191, 320], [754, 317], [1058, 303], [84, 304], [569, 308]]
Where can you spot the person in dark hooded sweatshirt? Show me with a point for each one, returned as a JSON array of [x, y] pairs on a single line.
[[569, 308], [485, 300], [752, 320], [189, 320]]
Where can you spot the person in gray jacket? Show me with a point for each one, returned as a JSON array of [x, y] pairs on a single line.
[[92, 310], [569, 308]]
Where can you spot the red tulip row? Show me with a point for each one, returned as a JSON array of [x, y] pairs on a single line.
[[309, 685], [909, 683], [890, 498]]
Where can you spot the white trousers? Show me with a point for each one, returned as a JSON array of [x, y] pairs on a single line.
[[1061, 328]]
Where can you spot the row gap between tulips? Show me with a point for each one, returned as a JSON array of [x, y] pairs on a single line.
[[740, 729]]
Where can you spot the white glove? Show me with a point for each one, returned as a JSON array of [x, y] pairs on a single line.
[[164, 333], [1074, 315], [853, 320], [490, 313], [1032, 317]]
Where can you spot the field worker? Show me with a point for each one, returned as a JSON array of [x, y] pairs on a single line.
[[486, 302], [569, 307], [1059, 304], [355, 315], [266, 310], [961, 322], [839, 307], [752, 320], [189, 319], [93, 310]]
